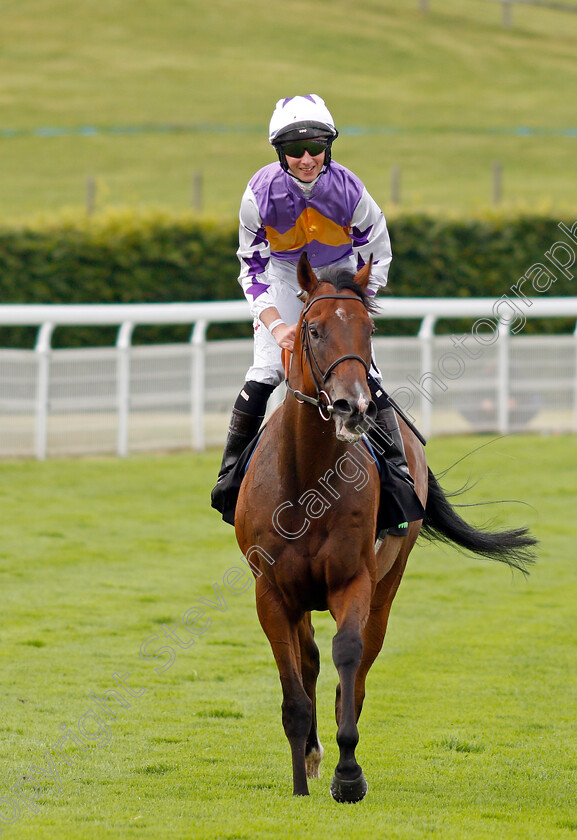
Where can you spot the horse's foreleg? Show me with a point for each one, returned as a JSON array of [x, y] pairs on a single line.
[[350, 608], [296, 706], [376, 626], [310, 666]]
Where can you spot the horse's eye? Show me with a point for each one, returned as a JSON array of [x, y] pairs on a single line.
[[314, 332], [373, 328]]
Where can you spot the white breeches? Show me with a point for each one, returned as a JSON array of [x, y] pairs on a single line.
[[267, 362]]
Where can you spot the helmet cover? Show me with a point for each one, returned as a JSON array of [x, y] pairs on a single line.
[[300, 118]]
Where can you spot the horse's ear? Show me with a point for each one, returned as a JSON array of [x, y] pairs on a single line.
[[306, 276], [363, 276]]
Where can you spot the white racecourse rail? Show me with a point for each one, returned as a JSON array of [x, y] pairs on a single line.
[[490, 377]]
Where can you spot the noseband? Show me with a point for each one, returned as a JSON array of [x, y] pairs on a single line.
[[322, 400]]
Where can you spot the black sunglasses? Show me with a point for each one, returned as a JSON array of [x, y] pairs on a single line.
[[297, 148]]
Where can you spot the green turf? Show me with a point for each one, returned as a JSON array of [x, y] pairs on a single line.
[[468, 726], [454, 85]]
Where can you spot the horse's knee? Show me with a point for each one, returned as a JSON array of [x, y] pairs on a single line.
[[297, 715], [347, 648]]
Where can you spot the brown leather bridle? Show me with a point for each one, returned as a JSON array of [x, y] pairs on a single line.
[[322, 399]]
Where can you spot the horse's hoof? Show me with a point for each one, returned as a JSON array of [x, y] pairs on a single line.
[[344, 790]]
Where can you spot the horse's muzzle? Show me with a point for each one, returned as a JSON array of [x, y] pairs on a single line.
[[352, 420]]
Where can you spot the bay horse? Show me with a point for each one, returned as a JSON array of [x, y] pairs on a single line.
[[306, 522]]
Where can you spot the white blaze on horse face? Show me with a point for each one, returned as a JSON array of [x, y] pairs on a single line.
[[343, 315]]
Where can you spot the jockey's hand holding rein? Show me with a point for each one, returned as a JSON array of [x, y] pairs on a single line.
[[283, 334]]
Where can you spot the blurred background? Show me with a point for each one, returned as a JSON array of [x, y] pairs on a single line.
[[128, 133]]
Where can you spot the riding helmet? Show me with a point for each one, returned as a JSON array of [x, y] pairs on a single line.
[[300, 118]]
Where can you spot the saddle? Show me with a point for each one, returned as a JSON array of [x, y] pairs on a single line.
[[398, 501]]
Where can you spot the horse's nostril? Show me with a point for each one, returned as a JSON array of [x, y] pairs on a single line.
[[342, 407], [358, 412], [371, 411]]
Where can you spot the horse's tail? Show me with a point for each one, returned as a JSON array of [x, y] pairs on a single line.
[[442, 522]]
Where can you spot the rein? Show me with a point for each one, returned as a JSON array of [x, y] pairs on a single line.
[[322, 400]]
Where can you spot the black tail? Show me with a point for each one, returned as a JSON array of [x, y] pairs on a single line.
[[442, 522]]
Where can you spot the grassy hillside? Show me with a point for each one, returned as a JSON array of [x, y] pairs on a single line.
[[441, 95]]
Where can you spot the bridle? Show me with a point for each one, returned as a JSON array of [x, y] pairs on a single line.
[[322, 399]]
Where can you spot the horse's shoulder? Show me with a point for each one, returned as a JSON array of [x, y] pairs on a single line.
[[270, 434]]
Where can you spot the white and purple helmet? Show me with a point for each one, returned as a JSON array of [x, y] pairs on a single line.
[[301, 118]]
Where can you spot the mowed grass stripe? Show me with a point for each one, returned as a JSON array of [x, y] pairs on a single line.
[[467, 729], [227, 64]]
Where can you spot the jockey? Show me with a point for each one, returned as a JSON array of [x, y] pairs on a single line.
[[304, 202]]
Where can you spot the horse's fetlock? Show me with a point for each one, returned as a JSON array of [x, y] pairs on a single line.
[[348, 740]]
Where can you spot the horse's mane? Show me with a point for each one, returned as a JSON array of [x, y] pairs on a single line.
[[343, 281]]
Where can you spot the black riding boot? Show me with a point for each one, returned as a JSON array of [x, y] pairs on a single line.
[[243, 428], [387, 423], [388, 434]]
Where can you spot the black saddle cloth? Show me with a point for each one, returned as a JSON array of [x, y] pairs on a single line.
[[398, 500]]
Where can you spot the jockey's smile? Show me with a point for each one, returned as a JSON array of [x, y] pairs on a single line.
[[306, 168]]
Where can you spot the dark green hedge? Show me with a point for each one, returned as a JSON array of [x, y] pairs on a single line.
[[130, 258], [126, 259], [474, 258]]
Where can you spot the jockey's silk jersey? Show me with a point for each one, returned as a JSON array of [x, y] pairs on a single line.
[[336, 223]]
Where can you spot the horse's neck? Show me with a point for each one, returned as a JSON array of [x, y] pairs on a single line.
[[308, 444]]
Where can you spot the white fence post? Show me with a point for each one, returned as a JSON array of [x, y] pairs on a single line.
[[42, 350], [36, 401], [198, 345], [123, 344], [197, 192], [503, 389], [426, 336], [575, 384]]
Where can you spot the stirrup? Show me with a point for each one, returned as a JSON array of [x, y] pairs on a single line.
[[399, 530]]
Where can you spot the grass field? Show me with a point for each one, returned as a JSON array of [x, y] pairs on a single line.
[[441, 95], [468, 727]]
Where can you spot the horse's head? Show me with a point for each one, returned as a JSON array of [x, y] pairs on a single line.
[[333, 346]]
